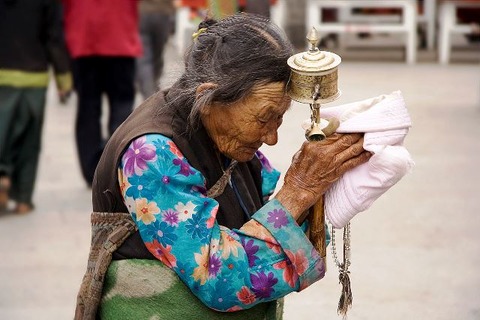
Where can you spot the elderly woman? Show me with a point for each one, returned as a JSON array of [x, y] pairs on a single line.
[[182, 225]]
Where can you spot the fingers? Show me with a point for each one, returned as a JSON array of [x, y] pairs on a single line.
[[353, 162], [342, 141], [352, 150], [342, 153], [332, 152], [346, 140]]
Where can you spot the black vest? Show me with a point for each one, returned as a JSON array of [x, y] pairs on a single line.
[[197, 147]]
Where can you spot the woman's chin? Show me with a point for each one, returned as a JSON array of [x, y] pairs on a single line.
[[243, 156], [240, 154]]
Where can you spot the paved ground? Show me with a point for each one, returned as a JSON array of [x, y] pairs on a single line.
[[416, 251]]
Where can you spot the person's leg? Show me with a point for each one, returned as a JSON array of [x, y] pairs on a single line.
[[145, 75], [160, 34], [30, 122], [119, 85], [261, 7], [9, 99], [88, 81]]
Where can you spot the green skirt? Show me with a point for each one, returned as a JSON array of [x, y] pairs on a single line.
[[147, 289]]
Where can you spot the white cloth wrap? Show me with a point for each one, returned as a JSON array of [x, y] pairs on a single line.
[[385, 122]]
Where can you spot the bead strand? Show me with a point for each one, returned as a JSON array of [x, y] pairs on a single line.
[[346, 249]]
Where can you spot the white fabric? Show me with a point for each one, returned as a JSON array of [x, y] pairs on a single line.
[[385, 122]]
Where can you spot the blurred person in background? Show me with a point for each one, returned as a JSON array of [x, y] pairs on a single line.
[[261, 7], [31, 40], [156, 21], [104, 42]]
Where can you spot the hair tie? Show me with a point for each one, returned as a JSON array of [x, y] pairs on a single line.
[[199, 32]]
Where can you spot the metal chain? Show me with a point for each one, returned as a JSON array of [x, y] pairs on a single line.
[[346, 249]]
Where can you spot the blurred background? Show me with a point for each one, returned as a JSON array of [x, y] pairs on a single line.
[[415, 252]]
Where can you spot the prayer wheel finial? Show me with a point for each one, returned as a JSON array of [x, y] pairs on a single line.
[[313, 39]]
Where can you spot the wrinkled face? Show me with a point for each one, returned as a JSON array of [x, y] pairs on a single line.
[[239, 129]]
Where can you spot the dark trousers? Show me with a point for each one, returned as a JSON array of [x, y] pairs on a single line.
[[261, 7], [154, 31], [94, 76], [21, 122]]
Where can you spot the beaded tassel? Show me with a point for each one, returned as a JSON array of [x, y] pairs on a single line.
[[346, 297]]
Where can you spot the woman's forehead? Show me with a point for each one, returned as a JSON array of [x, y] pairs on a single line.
[[274, 88], [272, 91], [271, 95]]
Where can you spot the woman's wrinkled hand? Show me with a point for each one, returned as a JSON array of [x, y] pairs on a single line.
[[316, 166]]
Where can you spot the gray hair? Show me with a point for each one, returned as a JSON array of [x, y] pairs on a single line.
[[235, 54]]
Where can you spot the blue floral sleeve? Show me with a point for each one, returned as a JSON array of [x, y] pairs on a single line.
[[227, 269], [269, 176]]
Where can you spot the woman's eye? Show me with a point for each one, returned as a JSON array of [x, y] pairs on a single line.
[[262, 121]]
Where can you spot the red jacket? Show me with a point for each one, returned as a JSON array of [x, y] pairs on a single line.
[[102, 28]]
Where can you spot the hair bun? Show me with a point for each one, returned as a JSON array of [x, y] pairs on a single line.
[[207, 23]]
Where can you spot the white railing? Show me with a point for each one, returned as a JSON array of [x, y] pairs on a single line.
[[450, 25], [406, 25]]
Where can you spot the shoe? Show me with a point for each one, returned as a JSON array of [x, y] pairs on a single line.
[[23, 208], [4, 188], [3, 200]]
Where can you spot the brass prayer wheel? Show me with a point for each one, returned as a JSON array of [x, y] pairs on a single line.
[[314, 80], [314, 76]]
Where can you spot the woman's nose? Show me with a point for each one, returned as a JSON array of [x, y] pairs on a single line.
[[271, 137]]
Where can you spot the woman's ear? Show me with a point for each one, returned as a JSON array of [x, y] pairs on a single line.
[[201, 89], [204, 86]]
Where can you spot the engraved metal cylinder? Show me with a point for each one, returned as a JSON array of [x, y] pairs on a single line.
[[314, 68], [302, 84]]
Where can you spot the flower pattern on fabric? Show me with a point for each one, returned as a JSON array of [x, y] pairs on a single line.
[[171, 217], [162, 253], [201, 271], [246, 296], [185, 210], [227, 269], [270, 176], [230, 245], [184, 167], [145, 210], [278, 218], [251, 249], [137, 155], [160, 231], [196, 227], [289, 274], [214, 265], [263, 284]]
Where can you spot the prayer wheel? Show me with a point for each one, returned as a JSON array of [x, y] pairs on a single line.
[[314, 80], [314, 68]]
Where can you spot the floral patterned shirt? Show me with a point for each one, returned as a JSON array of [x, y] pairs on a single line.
[[227, 269]]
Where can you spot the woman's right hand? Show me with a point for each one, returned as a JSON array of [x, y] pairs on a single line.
[[316, 166]]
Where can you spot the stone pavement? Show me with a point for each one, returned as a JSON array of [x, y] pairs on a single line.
[[416, 251]]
